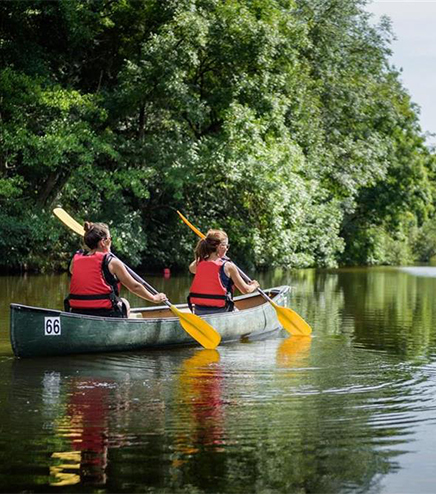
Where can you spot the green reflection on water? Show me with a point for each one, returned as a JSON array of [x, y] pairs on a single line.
[[275, 415], [334, 413]]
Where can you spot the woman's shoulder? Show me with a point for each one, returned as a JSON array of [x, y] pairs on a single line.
[[226, 261], [228, 266]]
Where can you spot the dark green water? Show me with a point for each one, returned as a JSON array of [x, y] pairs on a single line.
[[351, 410]]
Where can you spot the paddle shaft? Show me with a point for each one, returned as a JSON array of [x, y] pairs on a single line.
[[143, 282], [205, 334], [247, 279]]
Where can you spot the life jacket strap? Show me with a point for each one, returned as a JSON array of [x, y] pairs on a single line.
[[227, 298], [98, 296], [103, 296]]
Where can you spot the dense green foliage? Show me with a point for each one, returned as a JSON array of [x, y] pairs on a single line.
[[280, 121]]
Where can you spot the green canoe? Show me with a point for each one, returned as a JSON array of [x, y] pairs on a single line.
[[39, 332]]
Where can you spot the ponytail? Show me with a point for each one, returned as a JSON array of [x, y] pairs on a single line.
[[209, 245]]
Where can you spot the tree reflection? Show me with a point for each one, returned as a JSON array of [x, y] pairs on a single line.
[[331, 413], [387, 309]]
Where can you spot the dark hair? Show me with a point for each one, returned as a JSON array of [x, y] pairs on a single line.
[[209, 245], [94, 232]]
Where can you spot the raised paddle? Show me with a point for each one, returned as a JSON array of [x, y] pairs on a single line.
[[289, 319], [200, 330]]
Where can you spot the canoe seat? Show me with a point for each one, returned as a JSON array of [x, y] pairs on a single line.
[[135, 315]]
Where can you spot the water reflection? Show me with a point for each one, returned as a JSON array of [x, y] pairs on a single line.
[[199, 406], [388, 309], [338, 412], [311, 414], [84, 405], [85, 425], [294, 352]]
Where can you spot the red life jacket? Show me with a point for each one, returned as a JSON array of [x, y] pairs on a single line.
[[207, 288], [89, 286]]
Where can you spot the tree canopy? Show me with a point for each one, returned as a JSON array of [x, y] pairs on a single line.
[[279, 121]]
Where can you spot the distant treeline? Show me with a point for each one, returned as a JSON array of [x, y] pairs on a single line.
[[279, 121]]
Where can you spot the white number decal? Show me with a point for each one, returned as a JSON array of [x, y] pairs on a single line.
[[52, 326]]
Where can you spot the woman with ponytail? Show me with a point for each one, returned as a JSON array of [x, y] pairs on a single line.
[[215, 276], [97, 275]]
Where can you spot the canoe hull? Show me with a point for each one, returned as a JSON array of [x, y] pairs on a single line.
[[43, 332]]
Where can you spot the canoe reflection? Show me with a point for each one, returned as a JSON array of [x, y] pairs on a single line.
[[199, 397]]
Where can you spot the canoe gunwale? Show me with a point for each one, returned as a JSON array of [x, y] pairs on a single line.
[[91, 334]]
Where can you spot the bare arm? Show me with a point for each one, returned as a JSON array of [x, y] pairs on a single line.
[[193, 267], [117, 268], [232, 271]]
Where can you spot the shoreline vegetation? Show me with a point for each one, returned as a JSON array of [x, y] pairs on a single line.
[[281, 122]]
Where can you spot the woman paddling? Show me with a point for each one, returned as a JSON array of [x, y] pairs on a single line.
[[97, 275], [215, 276]]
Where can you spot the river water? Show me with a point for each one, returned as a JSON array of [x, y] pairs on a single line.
[[351, 409]]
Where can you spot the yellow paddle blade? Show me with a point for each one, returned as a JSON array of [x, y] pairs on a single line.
[[291, 321], [200, 330], [191, 226], [69, 221]]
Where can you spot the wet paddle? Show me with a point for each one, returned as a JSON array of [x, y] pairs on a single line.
[[289, 319], [196, 327]]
